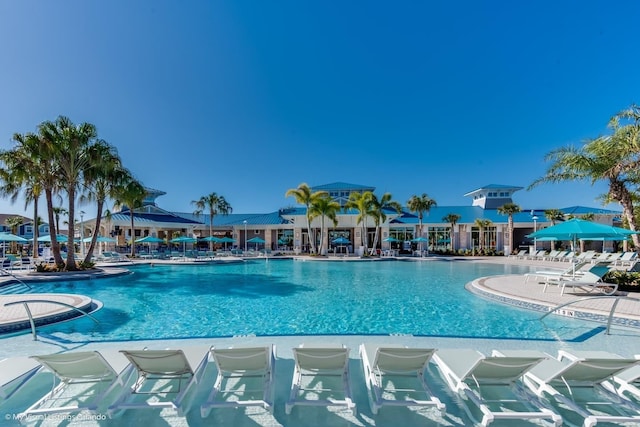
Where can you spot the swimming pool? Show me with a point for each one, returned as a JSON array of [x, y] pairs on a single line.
[[284, 297]]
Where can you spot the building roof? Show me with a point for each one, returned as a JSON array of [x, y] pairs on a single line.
[[342, 186], [494, 187]]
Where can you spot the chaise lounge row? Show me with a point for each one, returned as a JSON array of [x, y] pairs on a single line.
[[579, 388]]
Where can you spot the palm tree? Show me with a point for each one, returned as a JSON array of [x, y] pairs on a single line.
[[482, 224], [362, 202], [378, 207], [13, 223], [304, 196], [452, 219], [554, 215], [325, 207], [22, 171], [72, 158], [101, 181], [58, 211], [509, 209], [130, 194], [216, 205], [612, 158], [421, 205]]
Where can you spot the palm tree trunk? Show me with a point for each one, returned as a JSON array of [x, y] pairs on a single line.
[[312, 243], [71, 251], [133, 243], [55, 245], [34, 252], [92, 246]]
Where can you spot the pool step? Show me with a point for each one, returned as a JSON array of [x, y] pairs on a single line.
[[14, 288]]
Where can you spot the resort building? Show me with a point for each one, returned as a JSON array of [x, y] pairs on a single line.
[[286, 229]]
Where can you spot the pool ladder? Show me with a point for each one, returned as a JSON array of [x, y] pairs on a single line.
[[45, 301]]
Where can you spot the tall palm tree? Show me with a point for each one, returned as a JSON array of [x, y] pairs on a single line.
[[482, 224], [509, 209], [58, 211], [21, 173], [130, 194], [612, 158], [216, 205], [452, 219], [71, 154], [378, 208], [324, 207], [421, 205], [101, 181], [13, 223], [363, 203], [306, 197]]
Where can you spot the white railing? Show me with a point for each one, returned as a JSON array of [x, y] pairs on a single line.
[[45, 301]]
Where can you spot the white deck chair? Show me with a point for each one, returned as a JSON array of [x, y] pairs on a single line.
[[81, 381], [589, 281], [576, 383], [321, 378], [627, 383], [493, 385], [14, 373], [391, 374], [242, 372], [164, 378], [543, 276], [627, 259]]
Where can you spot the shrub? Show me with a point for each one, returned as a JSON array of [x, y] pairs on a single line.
[[627, 280]]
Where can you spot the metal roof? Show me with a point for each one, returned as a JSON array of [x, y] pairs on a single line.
[[342, 186], [495, 187]]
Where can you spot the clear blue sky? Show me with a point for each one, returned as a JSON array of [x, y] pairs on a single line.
[[250, 98]]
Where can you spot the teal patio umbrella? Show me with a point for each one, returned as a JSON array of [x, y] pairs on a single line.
[[59, 237], [226, 240], [212, 239], [390, 240], [149, 240], [184, 240], [257, 241], [99, 239], [8, 237], [576, 228], [420, 240], [341, 241]]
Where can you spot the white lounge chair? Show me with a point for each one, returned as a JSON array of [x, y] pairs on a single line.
[[628, 259], [589, 281], [14, 373], [161, 374], [492, 385], [393, 372], [576, 384], [521, 254], [321, 378], [627, 383], [242, 372], [545, 275], [85, 378], [551, 255]]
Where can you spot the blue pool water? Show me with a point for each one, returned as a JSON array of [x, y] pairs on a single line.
[[284, 297]]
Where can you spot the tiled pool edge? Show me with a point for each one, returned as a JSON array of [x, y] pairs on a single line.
[[475, 287]]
